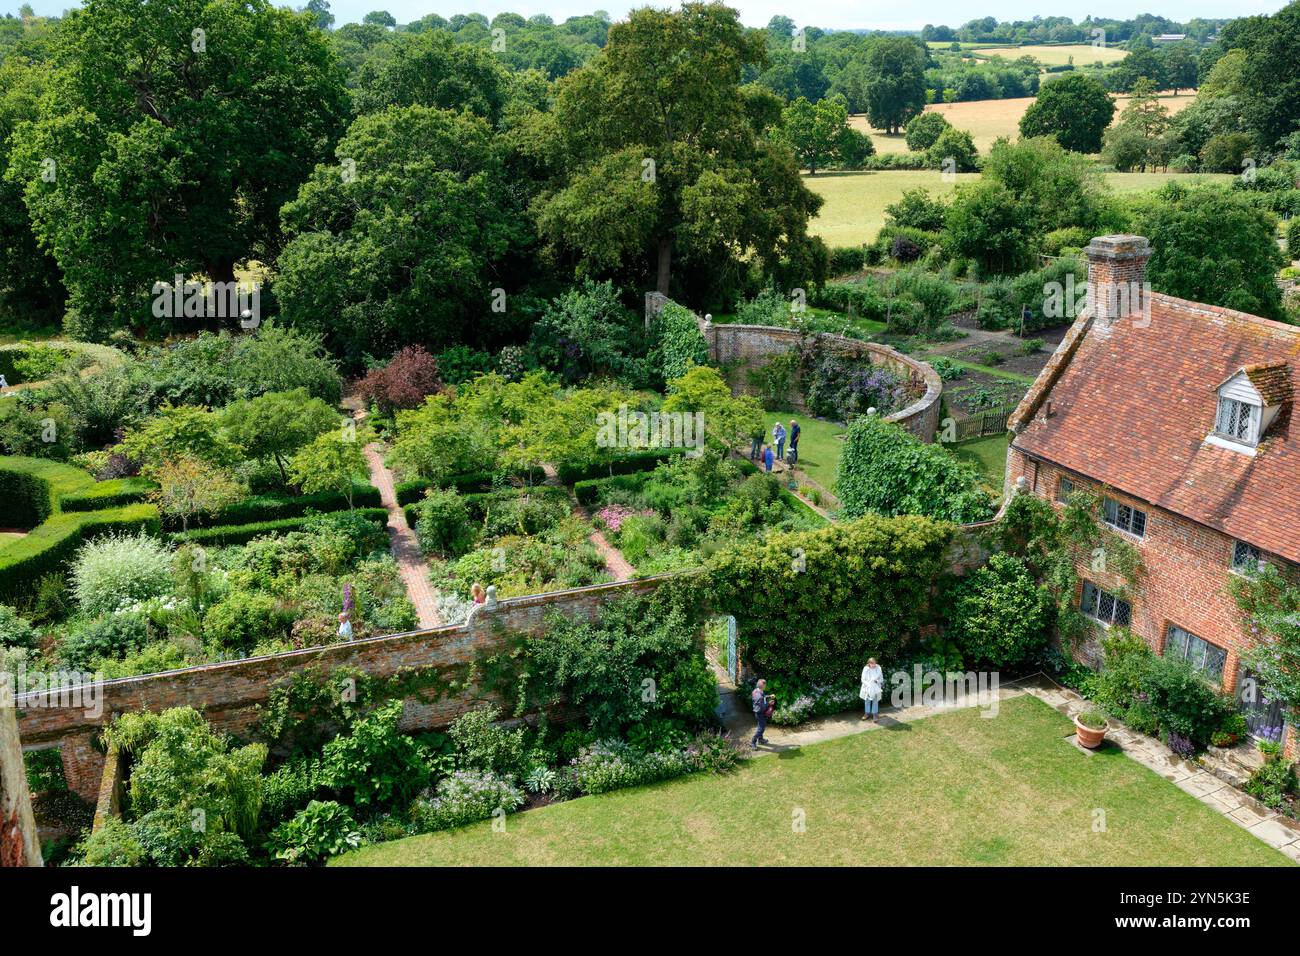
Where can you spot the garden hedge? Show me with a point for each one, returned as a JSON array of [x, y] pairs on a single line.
[[54, 542], [274, 507], [243, 533], [812, 606], [101, 356], [411, 491], [642, 460], [31, 495], [588, 492], [108, 494]]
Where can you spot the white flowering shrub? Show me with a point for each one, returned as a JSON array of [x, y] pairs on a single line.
[[117, 572], [463, 797]]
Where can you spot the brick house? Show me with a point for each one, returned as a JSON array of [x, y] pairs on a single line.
[[1179, 415]]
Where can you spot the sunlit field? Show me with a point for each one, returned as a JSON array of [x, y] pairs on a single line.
[[986, 120], [1080, 54], [855, 201]]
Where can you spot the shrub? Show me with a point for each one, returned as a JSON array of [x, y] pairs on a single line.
[[1272, 783], [679, 342], [320, 830], [113, 844], [409, 377], [442, 523], [1293, 237], [375, 764], [953, 151], [14, 630], [885, 470], [917, 209], [482, 744], [243, 533], [923, 129], [614, 764], [855, 590], [1184, 703], [846, 259], [116, 571], [463, 797], [111, 636], [1001, 615], [244, 619], [1142, 718]]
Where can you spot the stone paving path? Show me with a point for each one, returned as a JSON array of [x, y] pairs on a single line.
[[615, 563], [1278, 831], [402, 541]]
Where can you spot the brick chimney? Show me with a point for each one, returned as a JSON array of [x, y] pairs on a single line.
[[1117, 280]]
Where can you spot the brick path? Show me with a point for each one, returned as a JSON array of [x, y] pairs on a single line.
[[402, 541], [615, 563]]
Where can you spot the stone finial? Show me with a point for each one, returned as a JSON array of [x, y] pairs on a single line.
[[491, 601]]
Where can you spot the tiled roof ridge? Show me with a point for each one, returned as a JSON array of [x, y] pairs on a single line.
[[1050, 374]]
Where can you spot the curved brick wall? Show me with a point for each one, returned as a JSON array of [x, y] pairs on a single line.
[[751, 345]]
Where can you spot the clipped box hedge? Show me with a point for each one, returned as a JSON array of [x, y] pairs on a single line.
[[471, 482], [478, 503], [588, 492], [645, 459], [275, 507], [108, 494], [31, 488], [54, 542], [222, 535]]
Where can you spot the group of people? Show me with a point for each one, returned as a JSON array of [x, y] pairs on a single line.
[[871, 690], [760, 452]]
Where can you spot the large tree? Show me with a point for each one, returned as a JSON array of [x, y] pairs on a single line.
[[1212, 245], [1076, 109], [399, 241], [171, 134], [894, 81], [662, 153]]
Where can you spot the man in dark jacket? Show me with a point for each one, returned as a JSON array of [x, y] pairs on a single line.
[[761, 701]]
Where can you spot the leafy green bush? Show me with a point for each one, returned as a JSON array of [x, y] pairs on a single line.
[[16, 631], [679, 342], [376, 765], [628, 463], [482, 744], [1001, 616], [1273, 783], [114, 844], [272, 507], [183, 774], [320, 830], [107, 636], [1184, 703], [243, 533], [244, 619], [115, 572], [442, 523], [807, 602], [885, 470]]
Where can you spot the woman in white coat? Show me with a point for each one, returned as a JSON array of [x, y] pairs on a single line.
[[873, 683]]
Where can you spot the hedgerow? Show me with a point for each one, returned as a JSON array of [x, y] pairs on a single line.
[[885, 470], [810, 604], [243, 533], [108, 494]]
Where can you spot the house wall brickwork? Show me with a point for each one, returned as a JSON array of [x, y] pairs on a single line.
[[1186, 569]]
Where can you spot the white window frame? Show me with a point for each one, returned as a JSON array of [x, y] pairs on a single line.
[[1121, 510], [1102, 598], [1197, 651], [1237, 421], [1251, 564]]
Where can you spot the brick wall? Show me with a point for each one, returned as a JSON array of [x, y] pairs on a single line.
[[752, 346], [1184, 580], [228, 693]]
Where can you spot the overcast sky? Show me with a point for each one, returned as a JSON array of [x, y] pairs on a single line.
[[841, 14]]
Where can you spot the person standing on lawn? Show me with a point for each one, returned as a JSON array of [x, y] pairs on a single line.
[[794, 442], [756, 443], [762, 702], [767, 457], [873, 683], [778, 439]]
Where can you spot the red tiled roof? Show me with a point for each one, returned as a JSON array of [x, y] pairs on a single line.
[[1132, 406]]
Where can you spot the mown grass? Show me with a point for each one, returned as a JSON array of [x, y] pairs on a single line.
[[956, 789]]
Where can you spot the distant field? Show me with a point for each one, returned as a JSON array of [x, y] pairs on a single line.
[[986, 120], [1083, 54], [855, 202]]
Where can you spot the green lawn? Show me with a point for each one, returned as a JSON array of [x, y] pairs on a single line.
[[820, 450], [958, 789], [988, 455]]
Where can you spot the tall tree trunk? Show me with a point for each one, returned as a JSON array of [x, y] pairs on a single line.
[[665, 265], [19, 845]]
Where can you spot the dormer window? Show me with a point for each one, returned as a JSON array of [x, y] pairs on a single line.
[[1249, 401], [1238, 421]]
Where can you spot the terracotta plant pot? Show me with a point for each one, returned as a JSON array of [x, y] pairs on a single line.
[[1090, 737]]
